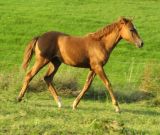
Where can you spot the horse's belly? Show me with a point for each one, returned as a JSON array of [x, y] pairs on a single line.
[[76, 61]]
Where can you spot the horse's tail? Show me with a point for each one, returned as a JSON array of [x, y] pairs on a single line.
[[29, 52]]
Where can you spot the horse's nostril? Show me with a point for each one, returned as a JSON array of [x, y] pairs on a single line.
[[142, 43]]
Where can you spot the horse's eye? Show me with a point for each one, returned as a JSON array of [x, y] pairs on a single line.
[[132, 30]]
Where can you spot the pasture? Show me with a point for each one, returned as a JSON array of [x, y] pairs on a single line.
[[134, 73]]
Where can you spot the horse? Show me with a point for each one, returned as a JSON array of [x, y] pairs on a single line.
[[91, 51]]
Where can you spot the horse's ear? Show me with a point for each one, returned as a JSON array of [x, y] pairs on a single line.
[[131, 18], [123, 20]]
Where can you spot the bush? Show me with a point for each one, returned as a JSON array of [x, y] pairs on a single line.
[[150, 81]]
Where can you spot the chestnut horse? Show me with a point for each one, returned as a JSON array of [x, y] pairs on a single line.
[[90, 51]]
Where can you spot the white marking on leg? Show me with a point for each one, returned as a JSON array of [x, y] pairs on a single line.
[[59, 102], [74, 104], [117, 109]]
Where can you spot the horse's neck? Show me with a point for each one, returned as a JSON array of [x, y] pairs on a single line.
[[111, 40]]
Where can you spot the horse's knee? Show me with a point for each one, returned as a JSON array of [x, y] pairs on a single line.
[[27, 78]]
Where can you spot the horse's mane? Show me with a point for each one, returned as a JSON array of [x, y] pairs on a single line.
[[104, 31]]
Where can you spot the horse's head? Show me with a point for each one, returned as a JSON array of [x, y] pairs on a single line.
[[129, 32]]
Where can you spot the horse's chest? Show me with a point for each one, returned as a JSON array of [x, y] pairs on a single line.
[[103, 58], [100, 56]]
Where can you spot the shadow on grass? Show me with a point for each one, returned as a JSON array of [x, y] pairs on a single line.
[[134, 96], [124, 96], [37, 86], [66, 87], [69, 89], [142, 112]]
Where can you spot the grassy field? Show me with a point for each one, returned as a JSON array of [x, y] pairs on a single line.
[[129, 69]]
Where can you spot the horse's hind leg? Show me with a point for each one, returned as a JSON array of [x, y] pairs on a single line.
[[53, 67], [40, 62]]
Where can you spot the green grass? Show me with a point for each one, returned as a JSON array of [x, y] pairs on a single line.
[[21, 20], [38, 114]]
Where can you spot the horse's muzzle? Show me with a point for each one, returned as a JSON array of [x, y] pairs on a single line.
[[140, 44]]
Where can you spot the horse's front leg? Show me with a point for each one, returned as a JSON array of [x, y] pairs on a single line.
[[98, 69], [89, 80]]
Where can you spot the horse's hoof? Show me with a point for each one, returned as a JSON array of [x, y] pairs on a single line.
[[19, 99], [74, 107], [59, 108], [118, 110]]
